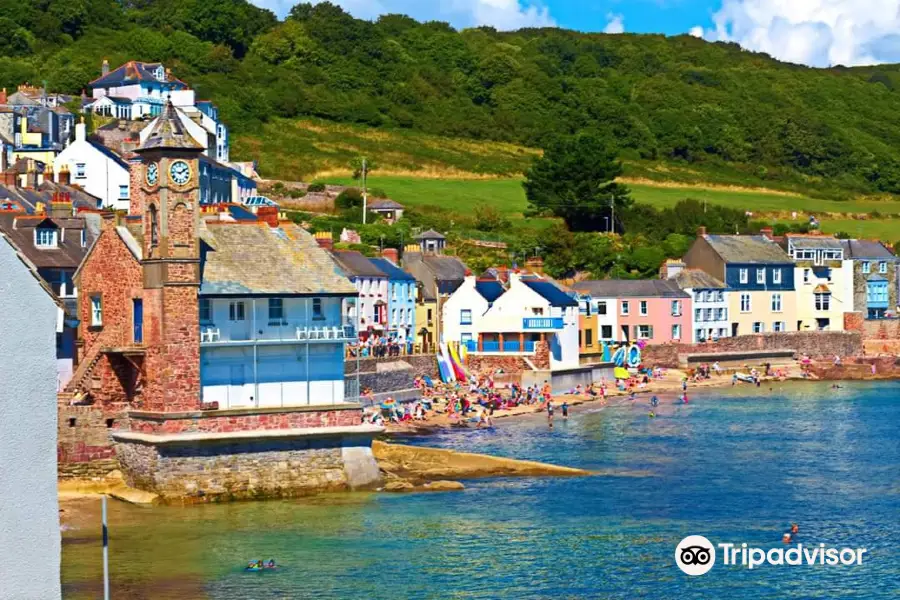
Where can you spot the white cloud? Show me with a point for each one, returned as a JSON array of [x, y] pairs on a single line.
[[696, 31], [813, 32], [502, 14], [616, 24]]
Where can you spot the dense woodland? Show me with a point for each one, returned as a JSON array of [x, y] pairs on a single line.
[[679, 99]]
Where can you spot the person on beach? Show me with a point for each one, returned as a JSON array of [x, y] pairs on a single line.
[[654, 401], [631, 396], [684, 384], [550, 413], [684, 398], [565, 409]]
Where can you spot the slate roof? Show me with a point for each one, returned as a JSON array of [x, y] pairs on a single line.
[[551, 293], [355, 264], [69, 252], [490, 289], [431, 234], [393, 272], [133, 72], [30, 199], [748, 249], [628, 288], [241, 259], [446, 268], [384, 204], [814, 241], [697, 279], [168, 132], [863, 249]]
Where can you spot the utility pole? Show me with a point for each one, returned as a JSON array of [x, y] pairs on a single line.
[[612, 208], [364, 190]]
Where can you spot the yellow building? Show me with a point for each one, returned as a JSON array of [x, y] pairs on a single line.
[[426, 309], [824, 284]]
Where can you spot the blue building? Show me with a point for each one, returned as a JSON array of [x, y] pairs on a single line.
[[401, 300], [271, 328], [875, 278]]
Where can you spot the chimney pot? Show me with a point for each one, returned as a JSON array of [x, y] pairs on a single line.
[[766, 232]]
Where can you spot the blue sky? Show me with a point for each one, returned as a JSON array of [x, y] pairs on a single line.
[[813, 32]]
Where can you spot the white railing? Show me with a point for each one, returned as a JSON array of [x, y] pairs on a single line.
[[282, 331]]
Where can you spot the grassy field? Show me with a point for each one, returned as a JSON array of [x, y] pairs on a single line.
[[306, 149], [508, 196], [887, 230]]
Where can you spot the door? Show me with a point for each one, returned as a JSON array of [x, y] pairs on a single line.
[[624, 333], [137, 307], [734, 329]]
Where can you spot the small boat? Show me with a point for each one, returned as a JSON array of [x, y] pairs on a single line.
[[744, 377]]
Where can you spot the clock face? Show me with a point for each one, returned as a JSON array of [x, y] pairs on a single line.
[[152, 173], [180, 172]]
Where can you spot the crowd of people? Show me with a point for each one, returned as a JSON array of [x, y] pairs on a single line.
[[379, 346]]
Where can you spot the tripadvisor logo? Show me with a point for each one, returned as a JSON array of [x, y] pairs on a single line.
[[696, 555]]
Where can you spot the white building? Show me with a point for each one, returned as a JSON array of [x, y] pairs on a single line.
[[710, 319], [29, 521], [514, 318], [604, 309], [97, 169], [369, 312]]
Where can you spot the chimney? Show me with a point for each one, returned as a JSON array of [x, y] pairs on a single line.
[[324, 239], [80, 131], [701, 231], [104, 68], [392, 254], [766, 232], [10, 178], [109, 221], [31, 176], [3, 96], [64, 177], [268, 214]]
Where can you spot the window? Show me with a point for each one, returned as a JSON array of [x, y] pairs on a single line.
[[601, 307], [205, 310], [745, 303], [606, 332], [778, 326], [710, 314], [428, 317], [318, 315], [698, 314], [644, 332], [805, 275], [723, 332], [722, 314], [393, 292], [83, 238], [393, 316], [882, 267], [45, 237], [720, 296], [760, 276], [80, 171], [866, 267], [823, 301], [625, 307], [745, 276], [758, 327], [276, 310], [643, 307], [588, 337], [776, 302], [537, 311], [123, 192], [236, 311], [465, 338], [154, 227], [676, 332], [776, 276], [465, 317], [96, 311], [676, 308]]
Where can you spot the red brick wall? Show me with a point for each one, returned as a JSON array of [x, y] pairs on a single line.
[[212, 423], [882, 329], [853, 321], [481, 363]]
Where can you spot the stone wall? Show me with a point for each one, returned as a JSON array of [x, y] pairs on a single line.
[[881, 329], [229, 421], [224, 470], [817, 344], [422, 364], [84, 446]]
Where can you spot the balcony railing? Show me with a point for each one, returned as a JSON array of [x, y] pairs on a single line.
[[508, 346], [275, 332], [542, 323]]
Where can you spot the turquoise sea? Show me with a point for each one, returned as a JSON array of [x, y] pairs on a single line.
[[735, 465]]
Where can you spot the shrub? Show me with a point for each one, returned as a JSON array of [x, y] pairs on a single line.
[[315, 187]]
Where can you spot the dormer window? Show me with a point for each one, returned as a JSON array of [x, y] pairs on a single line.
[[160, 73], [44, 237]]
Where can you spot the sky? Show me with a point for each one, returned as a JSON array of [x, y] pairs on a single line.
[[818, 33]]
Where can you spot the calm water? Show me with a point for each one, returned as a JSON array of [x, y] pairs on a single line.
[[735, 466]]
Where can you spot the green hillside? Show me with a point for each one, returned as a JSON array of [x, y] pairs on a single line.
[[675, 101]]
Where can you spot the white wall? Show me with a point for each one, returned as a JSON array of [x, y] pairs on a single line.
[[29, 518], [608, 319], [466, 297], [700, 302], [103, 175]]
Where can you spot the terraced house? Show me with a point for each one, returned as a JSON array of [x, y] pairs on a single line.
[[824, 281], [875, 278], [758, 276]]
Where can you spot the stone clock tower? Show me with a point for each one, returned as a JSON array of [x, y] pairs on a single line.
[[166, 192]]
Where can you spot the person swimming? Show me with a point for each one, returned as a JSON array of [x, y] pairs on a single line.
[[795, 528], [654, 401], [651, 414], [787, 538]]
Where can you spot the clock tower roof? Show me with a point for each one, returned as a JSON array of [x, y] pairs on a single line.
[[169, 133]]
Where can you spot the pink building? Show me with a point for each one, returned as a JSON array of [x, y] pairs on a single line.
[[654, 310]]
